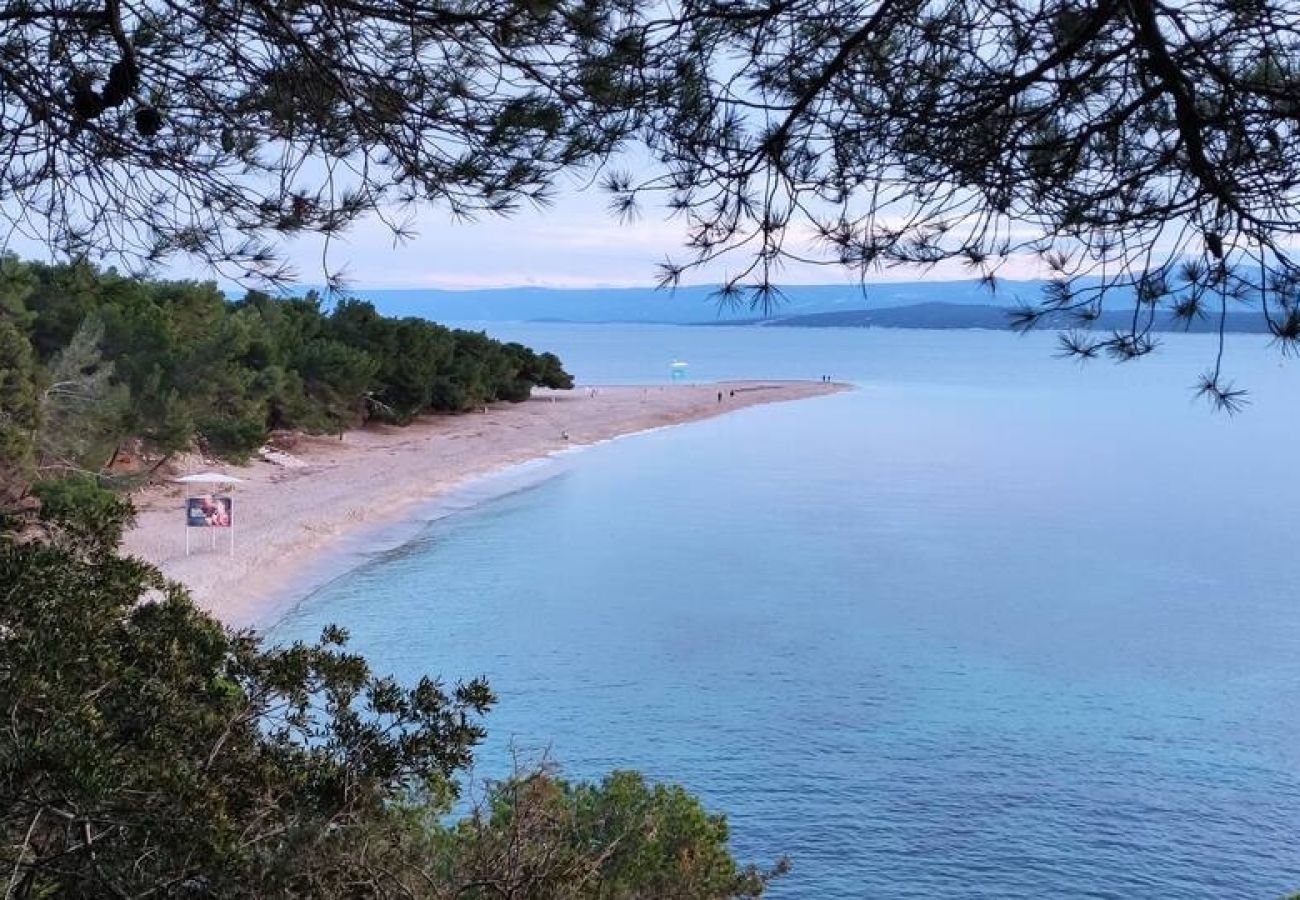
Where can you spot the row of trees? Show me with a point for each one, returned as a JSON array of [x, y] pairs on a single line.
[[91, 360], [149, 751]]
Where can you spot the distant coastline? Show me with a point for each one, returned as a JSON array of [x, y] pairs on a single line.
[[927, 305], [686, 305], [953, 316], [295, 508]]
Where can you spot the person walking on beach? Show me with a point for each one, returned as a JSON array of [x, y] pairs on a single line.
[[719, 396]]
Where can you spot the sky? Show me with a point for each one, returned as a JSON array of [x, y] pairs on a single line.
[[575, 243]]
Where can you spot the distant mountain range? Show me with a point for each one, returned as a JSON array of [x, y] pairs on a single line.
[[928, 305], [956, 315], [684, 306]]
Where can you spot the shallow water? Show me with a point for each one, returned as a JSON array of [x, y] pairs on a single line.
[[988, 626]]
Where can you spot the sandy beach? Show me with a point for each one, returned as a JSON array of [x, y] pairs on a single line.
[[293, 507]]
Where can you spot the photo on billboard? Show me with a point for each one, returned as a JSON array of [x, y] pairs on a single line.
[[211, 511]]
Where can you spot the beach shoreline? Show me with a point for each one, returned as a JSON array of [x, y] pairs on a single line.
[[295, 512]]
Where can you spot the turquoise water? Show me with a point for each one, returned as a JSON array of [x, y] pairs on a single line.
[[988, 626]]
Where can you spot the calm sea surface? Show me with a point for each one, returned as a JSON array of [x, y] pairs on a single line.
[[991, 625]]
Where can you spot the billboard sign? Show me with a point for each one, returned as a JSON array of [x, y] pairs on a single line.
[[210, 511]]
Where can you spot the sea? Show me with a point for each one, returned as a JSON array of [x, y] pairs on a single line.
[[992, 624]]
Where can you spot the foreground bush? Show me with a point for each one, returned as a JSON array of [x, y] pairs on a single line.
[[92, 363], [148, 750]]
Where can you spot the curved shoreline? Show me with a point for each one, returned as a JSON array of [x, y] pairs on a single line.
[[288, 518]]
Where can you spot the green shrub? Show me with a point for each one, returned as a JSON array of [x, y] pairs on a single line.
[[84, 514]]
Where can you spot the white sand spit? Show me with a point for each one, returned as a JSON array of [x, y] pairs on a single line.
[[291, 508]]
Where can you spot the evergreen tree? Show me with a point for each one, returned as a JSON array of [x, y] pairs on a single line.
[[149, 750], [19, 414], [172, 364], [83, 408]]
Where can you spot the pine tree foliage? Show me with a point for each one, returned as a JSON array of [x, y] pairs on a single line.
[[82, 406], [19, 414], [94, 361], [136, 129], [1143, 151]]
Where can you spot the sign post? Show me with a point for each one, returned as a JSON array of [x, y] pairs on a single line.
[[212, 509]]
